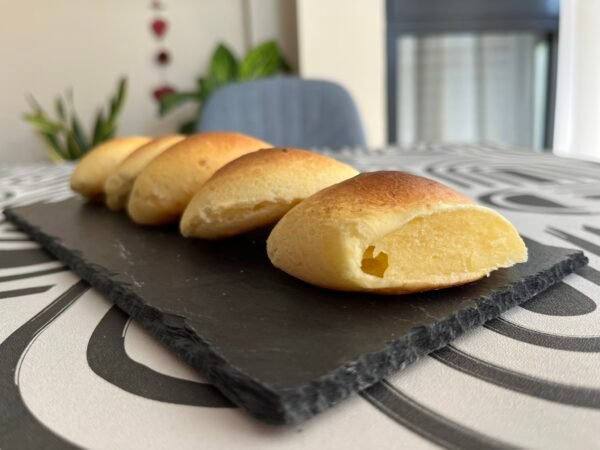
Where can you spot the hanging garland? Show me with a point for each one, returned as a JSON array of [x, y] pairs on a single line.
[[159, 27]]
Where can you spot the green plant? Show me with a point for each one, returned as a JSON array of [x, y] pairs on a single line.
[[264, 60], [64, 136]]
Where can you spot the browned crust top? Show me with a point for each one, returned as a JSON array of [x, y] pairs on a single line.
[[277, 157], [386, 189], [221, 139]]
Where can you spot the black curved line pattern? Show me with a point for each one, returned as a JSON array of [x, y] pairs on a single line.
[[538, 174], [7, 195], [590, 173], [23, 257], [434, 173], [525, 384], [490, 200], [495, 176], [592, 230], [39, 273], [447, 169], [575, 240], [590, 274], [24, 291], [108, 359], [526, 176], [582, 344], [552, 169], [560, 300], [19, 428], [534, 200], [469, 176], [425, 422]]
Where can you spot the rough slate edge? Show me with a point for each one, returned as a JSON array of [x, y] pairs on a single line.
[[280, 407]]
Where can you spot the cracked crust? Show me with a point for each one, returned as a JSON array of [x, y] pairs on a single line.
[[166, 185], [389, 232], [257, 189]]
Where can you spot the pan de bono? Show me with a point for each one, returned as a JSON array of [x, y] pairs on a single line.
[[163, 189], [94, 168], [119, 183], [392, 233], [257, 189]]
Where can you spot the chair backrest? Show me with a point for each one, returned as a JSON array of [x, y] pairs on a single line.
[[287, 112]]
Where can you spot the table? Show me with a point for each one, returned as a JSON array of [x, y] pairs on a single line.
[[75, 372]]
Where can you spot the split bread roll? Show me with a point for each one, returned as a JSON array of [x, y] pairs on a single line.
[[119, 183], [96, 166], [257, 189], [163, 189], [392, 233]]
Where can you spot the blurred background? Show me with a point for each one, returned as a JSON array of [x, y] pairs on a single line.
[[417, 70]]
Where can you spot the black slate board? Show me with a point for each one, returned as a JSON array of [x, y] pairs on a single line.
[[280, 348]]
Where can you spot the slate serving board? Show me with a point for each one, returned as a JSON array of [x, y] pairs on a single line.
[[280, 348]]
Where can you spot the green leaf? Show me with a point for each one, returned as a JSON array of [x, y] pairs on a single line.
[[54, 146], [223, 66], [109, 130], [260, 62], [34, 104], [188, 127], [70, 97], [73, 149], [284, 65], [42, 123], [172, 101], [66, 138], [78, 134], [207, 87], [60, 109], [118, 100], [98, 127]]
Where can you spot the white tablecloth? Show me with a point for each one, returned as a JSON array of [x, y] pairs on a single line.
[[75, 372]]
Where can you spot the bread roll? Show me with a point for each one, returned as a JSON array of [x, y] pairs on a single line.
[[392, 233], [257, 190], [95, 167], [163, 189], [119, 183]]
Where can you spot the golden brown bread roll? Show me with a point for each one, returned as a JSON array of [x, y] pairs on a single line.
[[257, 190], [392, 233], [119, 183], [95, 167], [163, 189]]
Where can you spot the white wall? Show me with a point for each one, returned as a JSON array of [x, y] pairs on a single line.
[[48, 45], [344, 41], [577, 121]]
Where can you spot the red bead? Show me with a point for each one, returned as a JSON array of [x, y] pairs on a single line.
[[162, 91], [159, 27], [157, 5], [163, 57]]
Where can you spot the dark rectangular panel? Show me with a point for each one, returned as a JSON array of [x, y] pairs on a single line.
[[280, 348], [470, 15]]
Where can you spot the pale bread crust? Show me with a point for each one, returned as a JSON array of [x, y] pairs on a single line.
[[322, 240], [119, 183], [257, 189], [95, 167], [165, 186]]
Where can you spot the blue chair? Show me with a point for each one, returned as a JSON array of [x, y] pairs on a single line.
[[287, 112]]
